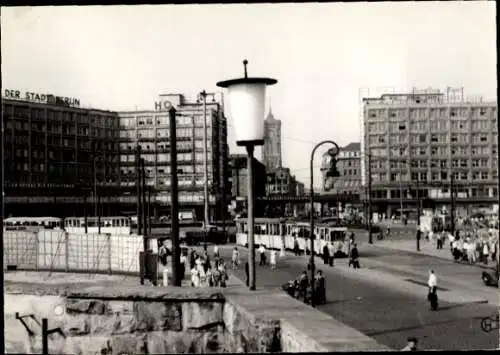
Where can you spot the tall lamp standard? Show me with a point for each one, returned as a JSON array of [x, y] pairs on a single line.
[[247, 103], [333, 152], [203, 95]]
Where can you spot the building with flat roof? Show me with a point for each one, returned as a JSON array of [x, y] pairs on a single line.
[[149, 129], [425, 142], [53, 153], [349, 168]]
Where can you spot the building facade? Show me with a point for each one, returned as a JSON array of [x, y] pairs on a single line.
[[426, 142], [348, 164], [56, 154], [280, 181], [271, 151], [150, 130]]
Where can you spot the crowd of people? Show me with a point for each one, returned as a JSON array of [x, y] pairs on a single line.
[[470, 245], [204, 272]]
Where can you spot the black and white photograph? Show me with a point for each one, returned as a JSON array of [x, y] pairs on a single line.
[[250, 178]]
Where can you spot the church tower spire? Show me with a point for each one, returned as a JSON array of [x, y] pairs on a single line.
[[270, 114]]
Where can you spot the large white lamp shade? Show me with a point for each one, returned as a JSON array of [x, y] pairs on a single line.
[[246, 101]]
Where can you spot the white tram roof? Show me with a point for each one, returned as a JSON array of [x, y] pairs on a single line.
[[33, 219], [102, 218]]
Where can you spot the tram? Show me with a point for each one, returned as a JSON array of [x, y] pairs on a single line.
[[109, 225], [32, 223], [274, 233]]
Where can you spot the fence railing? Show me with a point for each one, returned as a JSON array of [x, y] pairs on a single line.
[[57, 250]]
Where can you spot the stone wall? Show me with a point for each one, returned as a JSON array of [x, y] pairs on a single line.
[[149, 320]]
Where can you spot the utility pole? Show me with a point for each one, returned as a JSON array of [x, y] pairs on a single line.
[[452, 195], [205, 168], [174, 199], [143, 205], [418, 212], [138, 186], [401, 196], [149, 211], [370, 237]]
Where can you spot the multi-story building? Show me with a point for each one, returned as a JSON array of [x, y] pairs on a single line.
[[280, 181], [430, 141], [271, 151], [349, 168], [149, 129], [54, 154]]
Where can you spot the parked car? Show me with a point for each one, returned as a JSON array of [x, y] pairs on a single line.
[[490, 277]]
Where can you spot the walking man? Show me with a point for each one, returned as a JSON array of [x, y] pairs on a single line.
[[262, 251], [326, 255], [331, 253], [432, 296]]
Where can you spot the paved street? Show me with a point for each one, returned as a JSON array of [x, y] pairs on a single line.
[[389, 313]]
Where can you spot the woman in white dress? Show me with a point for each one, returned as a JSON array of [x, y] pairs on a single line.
[[272, 260], [195, 277]]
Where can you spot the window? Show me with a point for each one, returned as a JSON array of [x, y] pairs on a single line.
[[464, 175], [484, 175], [423, 138], [402, 126], [434, 138]]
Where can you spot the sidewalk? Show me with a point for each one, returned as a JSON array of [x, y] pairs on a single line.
[[426, 248]]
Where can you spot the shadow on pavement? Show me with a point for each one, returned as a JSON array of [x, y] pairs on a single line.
[[403, 329]]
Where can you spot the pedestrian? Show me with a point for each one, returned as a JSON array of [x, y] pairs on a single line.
[[236, 257], [195, 277], [354, 261], [262, 251], [412, 345], [210, 277], [163, 253], [272, 259], [216, 276], [192, 259], [320, 288], [183, 266], [247, 274], [282, 250], [295, 247], [303, 284], [432, 296], [326, 255], [216, 251], [206, 262], [486, 253], [439, 241], [331, 254]]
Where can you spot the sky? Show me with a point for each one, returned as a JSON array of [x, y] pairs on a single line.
[[323, 56]]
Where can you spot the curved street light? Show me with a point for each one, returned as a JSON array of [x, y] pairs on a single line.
[[333, 152]]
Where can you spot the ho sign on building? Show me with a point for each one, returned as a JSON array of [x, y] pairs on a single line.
[[163, 105]]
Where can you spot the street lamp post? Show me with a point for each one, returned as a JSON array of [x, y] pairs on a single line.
[[174, 199], [203, 95], [247, 103], [333, 153], [370, 235]]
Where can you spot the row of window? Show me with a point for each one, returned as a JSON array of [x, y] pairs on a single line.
[[477, 138], [434, 151], [163, 120], [106, 120], [443, 193], [434, 176], [443, 163], [166, 157], [435, 112]]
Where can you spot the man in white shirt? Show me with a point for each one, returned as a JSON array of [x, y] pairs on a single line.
[[432, 296]]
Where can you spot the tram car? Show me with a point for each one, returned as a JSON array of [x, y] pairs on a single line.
[[32, 223], [274, 233], [109, 225]]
